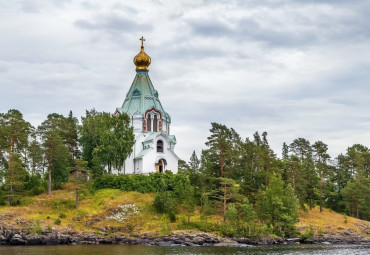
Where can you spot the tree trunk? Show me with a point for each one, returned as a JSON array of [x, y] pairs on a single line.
[[76, 198], [224, 207], [206, 223], [11, 170], [222, 165], [49, 178], [320, 192]]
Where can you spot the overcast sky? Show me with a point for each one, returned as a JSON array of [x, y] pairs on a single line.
[[291, 68]]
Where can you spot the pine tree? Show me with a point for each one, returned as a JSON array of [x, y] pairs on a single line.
[[57, 157], [321, 156], [194, 163], [14, 132], [35, 154], [15, 178]]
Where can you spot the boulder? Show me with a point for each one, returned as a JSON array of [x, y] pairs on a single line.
[[17, 240]]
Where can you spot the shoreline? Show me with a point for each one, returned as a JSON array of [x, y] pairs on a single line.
[[192, 238]]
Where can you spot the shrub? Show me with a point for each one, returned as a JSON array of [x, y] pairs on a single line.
[[154, 182], [36, 229], [307, 234], [57, 222]]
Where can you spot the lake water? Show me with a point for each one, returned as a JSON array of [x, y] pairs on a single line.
[[311, 249]]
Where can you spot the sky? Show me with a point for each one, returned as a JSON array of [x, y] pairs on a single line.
[[290, 68]]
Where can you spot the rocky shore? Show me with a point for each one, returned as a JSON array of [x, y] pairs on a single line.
[[54, 237]]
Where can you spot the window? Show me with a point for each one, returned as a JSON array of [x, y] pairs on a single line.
[[159, 146], [155, 123], [149, 123]]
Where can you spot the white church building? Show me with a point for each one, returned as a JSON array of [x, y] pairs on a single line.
[[154, 146]]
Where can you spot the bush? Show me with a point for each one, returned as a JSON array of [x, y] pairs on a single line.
[[154, 182], [36, 229], [57, 222], [307, 234]]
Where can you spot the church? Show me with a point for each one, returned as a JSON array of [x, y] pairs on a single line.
[[154, 146]]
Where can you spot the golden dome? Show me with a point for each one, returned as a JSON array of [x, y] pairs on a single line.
[[142, 60]]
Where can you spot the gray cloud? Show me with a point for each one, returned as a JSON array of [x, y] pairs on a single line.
[[291, 69], [113, 23]]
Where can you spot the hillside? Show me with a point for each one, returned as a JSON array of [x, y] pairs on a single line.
[[112, 211]]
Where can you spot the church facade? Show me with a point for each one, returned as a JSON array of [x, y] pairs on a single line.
[[154, 146]]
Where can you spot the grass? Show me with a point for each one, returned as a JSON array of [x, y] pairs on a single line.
[[57, 210], [328, 221]]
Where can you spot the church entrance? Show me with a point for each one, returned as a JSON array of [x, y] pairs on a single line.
[[160, 166]]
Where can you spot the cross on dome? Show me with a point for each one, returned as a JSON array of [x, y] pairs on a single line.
[[142, 39]]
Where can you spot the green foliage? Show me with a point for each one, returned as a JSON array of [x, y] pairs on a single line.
[[165, 202], [233, 219], [35, 185], [357, 196], [36, 228], [194, 163], [154, 182], [15, 179], [62, 215], [62, 205], [165, 227], [107, 136], [307, 234], [278, 206], [189, 202], [57, 222]]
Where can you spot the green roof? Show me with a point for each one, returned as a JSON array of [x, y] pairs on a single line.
[[142, 97], [142, 153]]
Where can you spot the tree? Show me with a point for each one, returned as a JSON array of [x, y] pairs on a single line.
[[220, 146], [35, 154], [206, 209], [306, 182], [194, 163], [96, 169], [57, 157], [189, 202], [14, 132], [279, 206], [232, 217], [70, 134], [321, 156], [108, 136], [16, 178], [357, 196], [81, 172], [228, 192], [183, 166], [248, 214]]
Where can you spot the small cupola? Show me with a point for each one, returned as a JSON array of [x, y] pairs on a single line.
[[142, 60]]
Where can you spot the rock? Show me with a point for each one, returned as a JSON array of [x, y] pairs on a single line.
[[17, 240], [326, 242], [292, 240], [36, 240]]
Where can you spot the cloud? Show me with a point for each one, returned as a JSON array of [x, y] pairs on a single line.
[[113, 23], [293, 69]]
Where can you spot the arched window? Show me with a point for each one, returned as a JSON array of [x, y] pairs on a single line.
[[155, 123], [159, 146], [149, 123]]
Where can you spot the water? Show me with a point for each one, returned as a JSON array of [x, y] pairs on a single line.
[[311, 249]]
